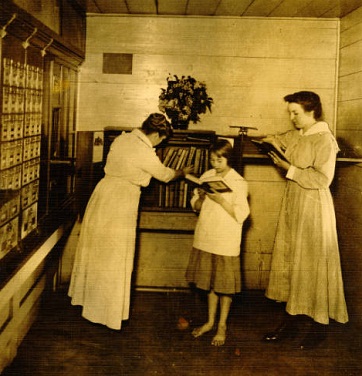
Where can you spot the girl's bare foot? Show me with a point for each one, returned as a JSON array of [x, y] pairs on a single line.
[[220, 337], [199, 331]]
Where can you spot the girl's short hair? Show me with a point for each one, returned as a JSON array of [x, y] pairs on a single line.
[[222, 148], [308, 100], [157, 123]]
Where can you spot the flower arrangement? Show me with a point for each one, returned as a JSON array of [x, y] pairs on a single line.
[[184, 99]]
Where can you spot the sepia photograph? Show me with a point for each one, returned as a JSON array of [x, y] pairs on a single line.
[[180, 187]]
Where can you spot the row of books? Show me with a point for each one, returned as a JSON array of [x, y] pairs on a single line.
[[179, 157], [175, 195]]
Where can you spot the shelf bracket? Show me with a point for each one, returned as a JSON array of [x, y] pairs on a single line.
[[26, 43], [43, 51], [3, 32]]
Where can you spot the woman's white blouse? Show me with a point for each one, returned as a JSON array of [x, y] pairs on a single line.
[[133, 158]]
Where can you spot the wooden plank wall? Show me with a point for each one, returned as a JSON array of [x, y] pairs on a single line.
[[348, 196], [248, 64]]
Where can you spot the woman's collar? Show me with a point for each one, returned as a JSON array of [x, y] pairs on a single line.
[[318, 127], [142, 137]]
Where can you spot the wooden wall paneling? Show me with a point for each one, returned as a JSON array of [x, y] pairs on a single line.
[[162, 260], [350, 142], [255, 270], [350, 240], [349, 130], [235, 75], [350, 58], [350, 87], [346, 178], [220, 37], [350, 208], [347, 185], [351, 35], [230, 71], [349, 114]]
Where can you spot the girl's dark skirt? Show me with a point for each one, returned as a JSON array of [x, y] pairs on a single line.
[[208, 271]]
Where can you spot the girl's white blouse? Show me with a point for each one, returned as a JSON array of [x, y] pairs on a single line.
[[216, 230]]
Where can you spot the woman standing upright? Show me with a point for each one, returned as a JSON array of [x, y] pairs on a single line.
[[306, 270], [101, 276]]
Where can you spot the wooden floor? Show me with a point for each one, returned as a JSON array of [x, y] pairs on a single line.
[[150, 343]]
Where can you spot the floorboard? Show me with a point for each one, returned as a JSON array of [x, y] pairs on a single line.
[[61, 342]]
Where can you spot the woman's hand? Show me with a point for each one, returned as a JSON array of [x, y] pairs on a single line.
[[188, 170], [278, 161], [181, 173]]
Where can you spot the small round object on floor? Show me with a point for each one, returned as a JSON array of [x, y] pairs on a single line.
[[182, 324]]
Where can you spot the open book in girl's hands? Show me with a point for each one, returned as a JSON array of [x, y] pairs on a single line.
[[210, 184], [266, 147]]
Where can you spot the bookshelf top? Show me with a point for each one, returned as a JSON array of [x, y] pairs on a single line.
[[176, 131]]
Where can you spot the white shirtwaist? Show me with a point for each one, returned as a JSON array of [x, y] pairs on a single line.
[[216, 231], [101, 275]]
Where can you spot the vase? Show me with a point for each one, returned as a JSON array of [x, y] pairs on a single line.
[[179, 124]]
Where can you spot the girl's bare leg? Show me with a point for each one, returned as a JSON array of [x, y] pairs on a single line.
[[220, 337], [213, 301]]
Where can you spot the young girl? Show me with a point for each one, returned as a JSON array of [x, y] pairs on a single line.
[[214, 263]]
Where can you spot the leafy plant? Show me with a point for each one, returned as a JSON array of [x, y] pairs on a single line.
[[184, 99]]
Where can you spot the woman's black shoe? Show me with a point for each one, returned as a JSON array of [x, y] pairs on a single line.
[[288, 329], [316, 335]]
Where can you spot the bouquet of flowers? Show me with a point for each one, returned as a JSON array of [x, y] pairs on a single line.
[[184, 99]]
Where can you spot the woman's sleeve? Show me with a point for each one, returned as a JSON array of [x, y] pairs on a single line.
[[241, 204], [320, 174], [152, 165], [283, 139]]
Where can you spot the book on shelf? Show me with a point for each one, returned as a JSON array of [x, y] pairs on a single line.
[[210, 184], [266, 147], [169, 152], [181, 161], [177, 194], [190, 156], [179, 157]]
